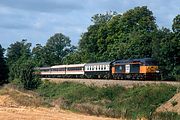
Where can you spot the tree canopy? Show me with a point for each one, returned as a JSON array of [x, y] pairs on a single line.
[[3, 67], [119, 36], [176, 24], [18, 50]]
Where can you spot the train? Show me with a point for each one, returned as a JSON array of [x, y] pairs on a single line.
[[134, 69]]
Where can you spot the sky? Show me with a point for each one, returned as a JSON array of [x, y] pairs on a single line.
[[38, 20]]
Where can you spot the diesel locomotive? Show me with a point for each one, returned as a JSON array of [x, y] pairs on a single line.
[[140, 69]]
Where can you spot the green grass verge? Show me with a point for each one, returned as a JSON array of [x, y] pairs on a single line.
[[114, 101]]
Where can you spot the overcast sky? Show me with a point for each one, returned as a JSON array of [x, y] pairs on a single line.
[[37, 20]]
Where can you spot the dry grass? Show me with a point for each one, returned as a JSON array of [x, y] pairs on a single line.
[[21, 97], [172, 105]]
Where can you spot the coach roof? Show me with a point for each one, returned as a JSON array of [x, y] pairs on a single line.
[[99, 63]]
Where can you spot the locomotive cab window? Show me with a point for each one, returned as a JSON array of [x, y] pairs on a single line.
[[150, 63], [120, 68]]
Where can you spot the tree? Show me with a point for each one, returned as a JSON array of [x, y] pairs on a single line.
[[57, 47], [21, 65], [102, 18], [3, 67], [176, 43], [134, 34], [38, 55], [24, 75], [176, 24], [93, 42], [17, 50], [166, 51], [119, 36]]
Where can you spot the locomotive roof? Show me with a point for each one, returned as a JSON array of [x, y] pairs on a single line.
[[75, 65], [142, 60], [59, 66]]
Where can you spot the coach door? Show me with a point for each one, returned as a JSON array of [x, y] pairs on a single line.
[[127, 68]]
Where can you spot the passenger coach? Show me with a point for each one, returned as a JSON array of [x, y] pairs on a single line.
[[75, 70], [98, 70]]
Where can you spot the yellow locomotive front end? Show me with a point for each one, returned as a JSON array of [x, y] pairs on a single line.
[[149, 69]]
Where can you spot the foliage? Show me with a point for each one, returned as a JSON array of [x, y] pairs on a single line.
[[166, 51], [176, 24], [17, 50], [91, 41], [21, 65], [56, 48], [73, 58], [119, 36], [3, 67], [23, 74], [113, 101], [38, 55]]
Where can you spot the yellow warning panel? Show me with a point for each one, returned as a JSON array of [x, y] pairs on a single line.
[[148, 69]]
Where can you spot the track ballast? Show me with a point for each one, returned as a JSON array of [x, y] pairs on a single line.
[[105, 82]]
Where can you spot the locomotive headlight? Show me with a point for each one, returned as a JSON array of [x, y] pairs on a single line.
[[157, 71]]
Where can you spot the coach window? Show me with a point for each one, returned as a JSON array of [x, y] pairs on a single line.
[[104, 67], [97, 67], [94, 67], [107, 67]]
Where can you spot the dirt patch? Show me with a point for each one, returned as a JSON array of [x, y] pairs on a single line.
[[6, 100], [28, 113], [172, 105], [12, 109]]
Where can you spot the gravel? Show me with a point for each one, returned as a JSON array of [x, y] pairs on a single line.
[[102, 82]]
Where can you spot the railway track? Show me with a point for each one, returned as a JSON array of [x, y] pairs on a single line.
[[102, 82]]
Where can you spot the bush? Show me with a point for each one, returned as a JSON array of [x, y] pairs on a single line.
[[22, 74]]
